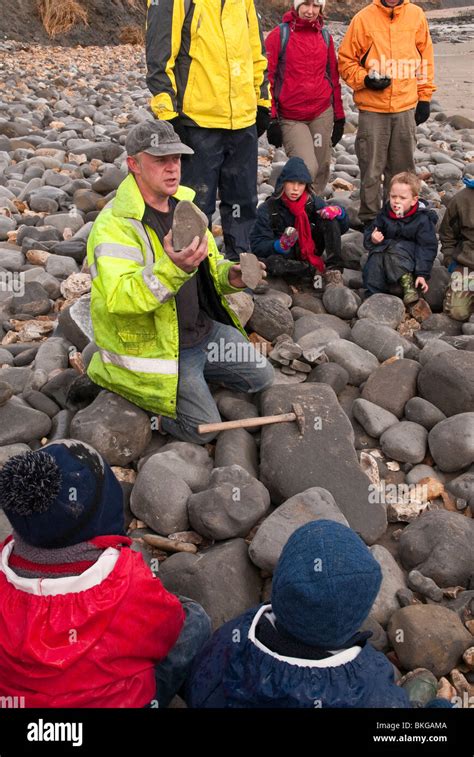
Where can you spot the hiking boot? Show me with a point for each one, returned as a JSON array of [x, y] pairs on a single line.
[[188, 222], [407, 284], [333, 278], [459, 297]]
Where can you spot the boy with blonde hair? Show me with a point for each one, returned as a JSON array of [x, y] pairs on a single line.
[[401, 241]]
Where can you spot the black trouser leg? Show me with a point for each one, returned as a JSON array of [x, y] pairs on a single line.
[[201, 171], [328, 239], [238, 189]]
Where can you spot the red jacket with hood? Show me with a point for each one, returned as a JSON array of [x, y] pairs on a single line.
[[307, 90], [85, 641]]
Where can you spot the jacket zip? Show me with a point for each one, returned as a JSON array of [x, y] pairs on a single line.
[[177, 318]]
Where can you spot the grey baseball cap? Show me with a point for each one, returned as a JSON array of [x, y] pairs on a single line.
[[155, 138]]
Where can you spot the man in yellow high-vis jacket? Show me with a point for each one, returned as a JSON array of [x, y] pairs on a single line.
[[207, 72], [161, 322]]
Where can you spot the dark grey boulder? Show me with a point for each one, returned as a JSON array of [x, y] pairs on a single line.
[[392, 385], [440, 545], [102, 425], [447, 380], [423, 412], [231, 505], [313, 504], [221, 578], [452, 442], [323, 457]]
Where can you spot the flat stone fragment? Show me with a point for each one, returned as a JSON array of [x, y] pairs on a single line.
[[188, 222], [252, 273]]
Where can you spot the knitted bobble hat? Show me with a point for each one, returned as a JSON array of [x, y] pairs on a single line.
[[61, 495], [297, 3], [324, 585], [295, 169]]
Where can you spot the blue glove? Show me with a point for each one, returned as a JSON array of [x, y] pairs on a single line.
[[278, 248]]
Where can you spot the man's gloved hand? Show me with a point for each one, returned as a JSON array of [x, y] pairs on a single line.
[[422, 112], [330, 212], [337, 131], [263, 120], [378, 84], [274, 133]]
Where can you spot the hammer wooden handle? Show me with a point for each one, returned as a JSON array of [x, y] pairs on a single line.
[[245, 423]]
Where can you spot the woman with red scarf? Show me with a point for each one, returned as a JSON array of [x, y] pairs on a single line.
[[294, 227], [307, 112]]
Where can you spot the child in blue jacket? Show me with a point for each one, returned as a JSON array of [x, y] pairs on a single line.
[[319, 227], [401, 241], [305, 649]]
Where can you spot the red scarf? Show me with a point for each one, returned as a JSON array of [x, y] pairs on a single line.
[[411, 212], [302, 225]]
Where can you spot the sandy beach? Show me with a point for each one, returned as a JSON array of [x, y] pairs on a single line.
[[455, 77]]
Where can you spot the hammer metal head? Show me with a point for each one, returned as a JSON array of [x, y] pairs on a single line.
[[299, 416]]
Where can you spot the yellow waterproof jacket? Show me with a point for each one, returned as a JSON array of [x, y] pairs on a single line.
[[206, 61], [133, 305], [396, 42]]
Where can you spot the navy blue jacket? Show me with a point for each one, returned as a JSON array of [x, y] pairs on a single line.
[[236, 670], [416, 234]]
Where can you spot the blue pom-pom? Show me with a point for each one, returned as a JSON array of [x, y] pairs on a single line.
[[29, 483]]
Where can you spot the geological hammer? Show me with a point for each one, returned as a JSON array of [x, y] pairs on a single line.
[[297, 415]]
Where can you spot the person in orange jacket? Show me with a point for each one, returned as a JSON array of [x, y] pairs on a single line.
[[386, 57]]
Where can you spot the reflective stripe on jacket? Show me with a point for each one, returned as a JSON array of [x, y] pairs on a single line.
[[395, 42], [133, 306], [206, 61]]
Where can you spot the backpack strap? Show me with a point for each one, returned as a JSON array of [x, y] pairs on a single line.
[[326, 36], [327, 39], [280, 70]]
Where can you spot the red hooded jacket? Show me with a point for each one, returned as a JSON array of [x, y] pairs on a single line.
[[95, 645], [307, 91]]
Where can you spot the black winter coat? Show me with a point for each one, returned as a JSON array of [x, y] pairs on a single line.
[[273, 217]]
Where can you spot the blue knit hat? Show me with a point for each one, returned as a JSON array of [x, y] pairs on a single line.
[[324, 585], [61, 495], [295, 169]]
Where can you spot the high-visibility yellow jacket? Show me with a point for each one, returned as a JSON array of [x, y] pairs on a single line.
[[133, 306], [395, 42], [206, 61]]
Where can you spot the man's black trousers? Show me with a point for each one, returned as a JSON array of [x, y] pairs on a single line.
[[224, 161]]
